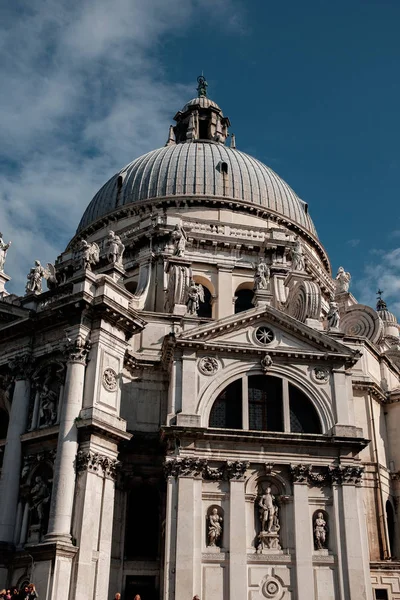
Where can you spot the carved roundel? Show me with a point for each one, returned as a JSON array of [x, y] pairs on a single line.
[[320, 374], [264, 335], [362, 321], [272, 588], [208, 365], [110, 379]]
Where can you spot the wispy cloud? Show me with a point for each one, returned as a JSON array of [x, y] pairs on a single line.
[[83, 94], [382, 274], [353, 243]]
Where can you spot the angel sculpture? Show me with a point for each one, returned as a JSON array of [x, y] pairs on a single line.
[[342, 281], [297, 256], [35, 276], [195, 295], [50, 276], [90, 254], [261, 275], [179, 238], [115, 248]]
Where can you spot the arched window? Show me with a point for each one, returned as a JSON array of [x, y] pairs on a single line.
[[227, 409], [264, 403], [244, 300], [390, 525], [205, 308]]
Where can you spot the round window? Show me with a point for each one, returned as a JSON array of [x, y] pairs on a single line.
[[264, 335]]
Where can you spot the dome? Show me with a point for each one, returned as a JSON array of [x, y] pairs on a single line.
[[199, 169], [202, 102]]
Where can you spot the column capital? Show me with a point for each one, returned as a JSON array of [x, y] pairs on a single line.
[[94, 462], [350, 475], [199, 468], [22, 366], [300, 473], [77, 350]]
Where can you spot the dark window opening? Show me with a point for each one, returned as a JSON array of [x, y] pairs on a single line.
[[227, 408], [390, 525], [303, 416], [203, 129], [180, 132], [205, 309], [142, 523], [265, 403], [4, 419], [381, 594], [131, 286], [224, 168], [244, 300]]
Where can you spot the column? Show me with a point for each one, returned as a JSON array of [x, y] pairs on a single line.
[[184, 566], [237, 541], [302, 534], [62, 498], [22, 367], [225, 292], [170, 539]]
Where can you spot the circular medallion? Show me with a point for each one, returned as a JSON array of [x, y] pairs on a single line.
[[271, 588], [110, 379], [264, 335], [320, 374], [208, 365]]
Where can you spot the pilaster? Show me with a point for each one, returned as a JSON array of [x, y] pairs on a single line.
[[225, 292], [237, 539]]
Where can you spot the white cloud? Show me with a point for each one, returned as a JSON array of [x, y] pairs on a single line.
[[383, 274], [83, 94]]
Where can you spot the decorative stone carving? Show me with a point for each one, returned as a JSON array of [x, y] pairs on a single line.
[[214, 528], [35, 275], [198, 467], [86, 460], [236, 469], [346, 474], [176, 292], [320, 374], [33, 460], [270, 526], [261, 275], [115, 248], [48, 399], [333, 316], [300, 473], [195, 295], [342, 281], [110, 379], [266, 363], [3, 252], [363, 321], [21, 366], [208, 365], [269, 467], [264, 335], [179, 238], [90, 254], [320, 529], [298, 263], [304, 301], [40, 496], [272, 588], [77, 350]]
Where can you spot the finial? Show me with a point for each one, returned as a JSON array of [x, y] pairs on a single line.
[[171, 136], [381, 304], [202, 87], [233, 141]]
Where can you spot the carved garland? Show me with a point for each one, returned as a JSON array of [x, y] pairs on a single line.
[[197, 467], [96, 463], [333, 474]]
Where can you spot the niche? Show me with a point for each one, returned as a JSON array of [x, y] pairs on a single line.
[[214, 526], [37, 491], [320, 530], [267, 517]]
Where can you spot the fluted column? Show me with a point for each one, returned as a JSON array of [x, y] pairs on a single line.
[[10, 475], [62, 498]]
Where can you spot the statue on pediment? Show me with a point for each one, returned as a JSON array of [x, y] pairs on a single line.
[[342, 281], [3, 252], [179, 238], [261, 275]]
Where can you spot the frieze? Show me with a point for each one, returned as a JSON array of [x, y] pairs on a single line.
[[95, 462], [197, 467], [300, 473], [346, 474], [269, 558], [333, 474]]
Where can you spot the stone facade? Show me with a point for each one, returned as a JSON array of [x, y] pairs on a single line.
[[196, 405]]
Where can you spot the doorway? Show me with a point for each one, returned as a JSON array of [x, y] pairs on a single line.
[[143, 585]]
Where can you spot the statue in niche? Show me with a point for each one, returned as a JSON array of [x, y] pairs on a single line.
[[47, 383], [195, 295], [40, 496], [320, 532], [269, 518], [3, 252], [342, 281], [115, 248], [214, 528], [90, 254], [298, 263], [333, 315], [261, 275], [179, 238]]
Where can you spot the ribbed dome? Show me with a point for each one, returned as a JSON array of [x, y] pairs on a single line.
[[200, 168], [387, 316], [202, 102]]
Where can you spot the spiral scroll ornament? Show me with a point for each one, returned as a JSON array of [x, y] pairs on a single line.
[[363, 321], [304, 301]]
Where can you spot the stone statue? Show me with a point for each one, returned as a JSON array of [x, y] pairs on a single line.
[[261, 275], [40, 495], [320, 532], [90, 254], [179, 238], [297, 256], [115, 248], [195, 295], [34, 283], [342, 281], [270, 526], [3, 252], [333, 315], [48, 403], [214, 527]]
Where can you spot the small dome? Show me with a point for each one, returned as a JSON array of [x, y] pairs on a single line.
[[198, 169], [387, 316], [202, 102]]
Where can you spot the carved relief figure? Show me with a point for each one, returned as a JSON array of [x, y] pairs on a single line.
[[297, 256], [3, 252], [179, 238], [320, 531], [268, 511], [34, 283], [90, 254], [195, 295], [333, 315], [115, 248], [342, 280], [40, 496], [261, 276], [214, 528]]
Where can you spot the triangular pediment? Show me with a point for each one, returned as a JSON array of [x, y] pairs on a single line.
[[250, 331]]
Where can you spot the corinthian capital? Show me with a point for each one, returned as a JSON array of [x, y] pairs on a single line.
[[77, 350]]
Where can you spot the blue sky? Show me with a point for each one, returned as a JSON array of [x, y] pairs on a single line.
[[311, 88]]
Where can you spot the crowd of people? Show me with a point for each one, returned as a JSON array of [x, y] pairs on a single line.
[[27, 592]]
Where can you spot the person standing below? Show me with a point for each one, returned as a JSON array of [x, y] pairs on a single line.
[[117, 596]]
